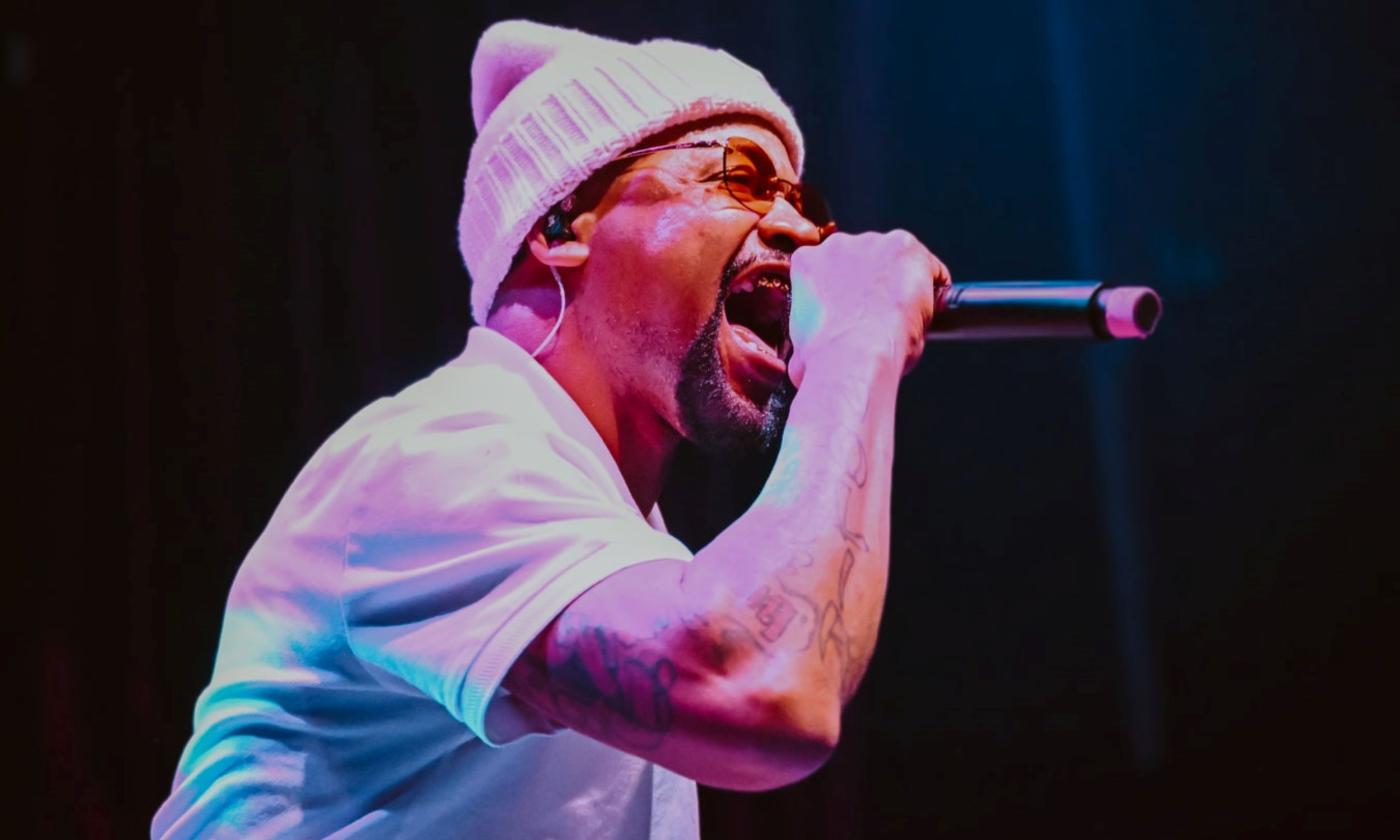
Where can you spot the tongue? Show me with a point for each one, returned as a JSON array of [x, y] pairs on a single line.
[[749, 337]]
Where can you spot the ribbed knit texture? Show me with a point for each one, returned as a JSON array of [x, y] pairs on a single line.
[[554, 105]]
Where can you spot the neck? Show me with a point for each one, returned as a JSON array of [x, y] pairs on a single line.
[[640, 442]]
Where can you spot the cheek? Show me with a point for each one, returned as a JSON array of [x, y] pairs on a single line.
[[674, 230], [673, 259]]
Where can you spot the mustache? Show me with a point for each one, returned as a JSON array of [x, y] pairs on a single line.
[[742, 262]]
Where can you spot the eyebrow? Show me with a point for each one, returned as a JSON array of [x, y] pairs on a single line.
[[698, 158]]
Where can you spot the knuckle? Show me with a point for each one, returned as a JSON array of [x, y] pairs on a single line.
[[903, 238]]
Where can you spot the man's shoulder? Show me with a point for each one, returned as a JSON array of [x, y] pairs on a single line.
[[489, 425], [469, 418], [457, 411], [491, 384]]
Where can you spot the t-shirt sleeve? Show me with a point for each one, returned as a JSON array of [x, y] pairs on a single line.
[[466, 542]]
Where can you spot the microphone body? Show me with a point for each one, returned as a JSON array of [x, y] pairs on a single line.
[[1033, 309]]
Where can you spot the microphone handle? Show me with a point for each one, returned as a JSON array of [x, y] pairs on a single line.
[[1033, 309]]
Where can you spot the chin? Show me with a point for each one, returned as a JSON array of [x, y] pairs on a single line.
[[715, 417]]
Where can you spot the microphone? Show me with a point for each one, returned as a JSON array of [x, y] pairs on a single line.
[[1022, 309]]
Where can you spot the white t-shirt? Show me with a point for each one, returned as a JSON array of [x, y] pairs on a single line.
[[356, 691]]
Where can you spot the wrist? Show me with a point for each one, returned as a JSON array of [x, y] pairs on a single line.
[[859, 357], [857, 370]]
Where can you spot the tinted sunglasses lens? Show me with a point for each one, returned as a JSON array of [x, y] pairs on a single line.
[[813, 206], [748, 174], [752, 179]]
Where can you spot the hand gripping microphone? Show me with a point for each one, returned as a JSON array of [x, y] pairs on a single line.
[[1029, 309]]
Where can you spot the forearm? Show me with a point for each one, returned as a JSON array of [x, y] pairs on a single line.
[[802, 574], [732, 668]]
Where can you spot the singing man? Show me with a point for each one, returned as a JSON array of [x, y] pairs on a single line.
[[466, 618]]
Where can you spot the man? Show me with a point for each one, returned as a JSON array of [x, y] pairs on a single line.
[[465, 618]]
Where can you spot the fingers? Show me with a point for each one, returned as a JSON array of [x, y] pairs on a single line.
[[872, 289], [922, 303]]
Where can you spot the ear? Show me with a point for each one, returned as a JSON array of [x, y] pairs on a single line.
[[566, 253]]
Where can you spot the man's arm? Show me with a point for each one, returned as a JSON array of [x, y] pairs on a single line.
[[732, 669]]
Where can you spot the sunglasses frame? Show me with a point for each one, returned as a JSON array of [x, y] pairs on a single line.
[[792, 193]]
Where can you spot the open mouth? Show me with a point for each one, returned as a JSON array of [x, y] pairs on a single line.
[[757, 307], [754, 343]]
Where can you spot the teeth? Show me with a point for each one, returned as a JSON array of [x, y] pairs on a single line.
[[761, 281]]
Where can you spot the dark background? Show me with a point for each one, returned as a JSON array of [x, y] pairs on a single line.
[[1138, 591]]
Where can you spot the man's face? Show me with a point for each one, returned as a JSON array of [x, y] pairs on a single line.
[[684, 294]]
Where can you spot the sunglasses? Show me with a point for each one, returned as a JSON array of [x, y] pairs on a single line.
[[751, 178]]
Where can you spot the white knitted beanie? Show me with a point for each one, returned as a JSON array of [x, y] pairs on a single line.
[[553, 105]]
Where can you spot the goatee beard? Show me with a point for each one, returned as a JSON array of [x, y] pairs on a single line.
[[717, 419]]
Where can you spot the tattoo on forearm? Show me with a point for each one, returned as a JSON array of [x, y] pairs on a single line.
[[849, 526], [859, 470], [598, 681], [834, 638], [773, 611], [783, 617], [620, 689], [778, 610]]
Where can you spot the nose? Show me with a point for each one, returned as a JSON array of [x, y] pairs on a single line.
[[784, 228]]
